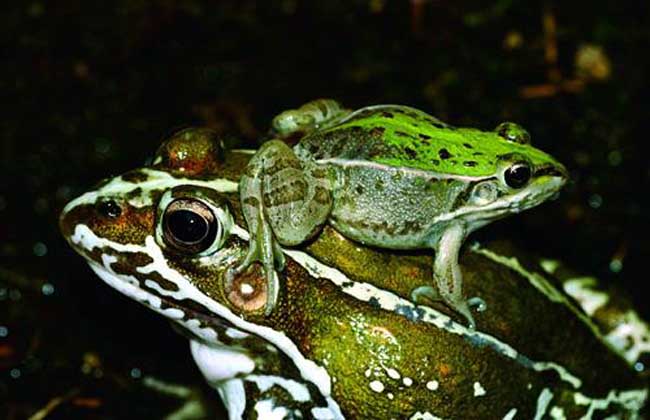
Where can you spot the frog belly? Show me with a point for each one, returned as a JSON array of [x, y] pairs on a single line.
[[392, 208]]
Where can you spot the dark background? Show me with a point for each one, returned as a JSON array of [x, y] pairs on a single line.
[[90, 89]]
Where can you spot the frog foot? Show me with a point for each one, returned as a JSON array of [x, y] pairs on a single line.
[[425, 294]]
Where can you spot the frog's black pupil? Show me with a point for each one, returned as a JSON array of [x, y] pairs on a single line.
[[517, 175], [109, 209], [187, 226]]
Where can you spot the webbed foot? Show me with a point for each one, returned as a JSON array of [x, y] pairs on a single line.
[[463, 307]]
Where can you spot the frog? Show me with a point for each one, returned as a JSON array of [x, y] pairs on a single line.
[[389, 176], [344, 341]]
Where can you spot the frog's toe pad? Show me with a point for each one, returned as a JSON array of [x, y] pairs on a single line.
[[477, 304]]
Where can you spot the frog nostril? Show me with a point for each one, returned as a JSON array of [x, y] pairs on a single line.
[[109, 208]]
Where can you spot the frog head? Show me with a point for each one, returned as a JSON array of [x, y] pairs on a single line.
[[163, 234], [517, 176]]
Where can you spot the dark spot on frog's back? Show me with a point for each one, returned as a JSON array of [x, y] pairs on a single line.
[[281, 163], [135, 177], [355, 130], [444, 154], [387, 114], [377, 131], [412, 154], [467, 145], [470, 163], [403, 134]]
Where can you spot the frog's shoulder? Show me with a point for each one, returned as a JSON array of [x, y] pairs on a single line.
[[399, 136]]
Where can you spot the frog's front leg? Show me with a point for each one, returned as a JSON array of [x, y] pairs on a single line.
[[448, 277], [284, 201]]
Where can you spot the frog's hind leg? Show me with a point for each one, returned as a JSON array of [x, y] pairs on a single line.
[[448, 278], [284, 201]]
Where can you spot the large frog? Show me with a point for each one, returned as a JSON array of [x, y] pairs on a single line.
[[344, 340], [393, 177]]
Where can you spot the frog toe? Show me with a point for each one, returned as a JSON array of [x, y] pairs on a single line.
[[477, 304], [425, 293], [278, 257]]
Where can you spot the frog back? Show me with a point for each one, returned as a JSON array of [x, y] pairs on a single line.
[[398, 136]]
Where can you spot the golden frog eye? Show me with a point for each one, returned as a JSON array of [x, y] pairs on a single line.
[[189, 226]]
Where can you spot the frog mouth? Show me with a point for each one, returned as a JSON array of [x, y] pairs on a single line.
[[540, 190], [184, 314]]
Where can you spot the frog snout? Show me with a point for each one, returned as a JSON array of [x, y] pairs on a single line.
[[557, 171]]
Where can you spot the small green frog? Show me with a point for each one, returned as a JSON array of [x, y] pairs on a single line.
[[393, 177]]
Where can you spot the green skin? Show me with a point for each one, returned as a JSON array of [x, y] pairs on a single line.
[[384, 356], [389, 176]]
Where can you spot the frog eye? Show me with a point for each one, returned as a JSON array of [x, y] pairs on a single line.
[[517, 175], [191, 227], [513, 132]]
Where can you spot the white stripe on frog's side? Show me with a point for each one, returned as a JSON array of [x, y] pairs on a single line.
[[543, 401], [546, 288], [632, 400], [156, 180], [582, 289], [424, 416], [233, 395], [631, 338], [510, 414], [84, 237], [393, 303]]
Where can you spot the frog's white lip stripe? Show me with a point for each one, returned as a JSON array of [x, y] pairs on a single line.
[[85, 238], [516, 203]]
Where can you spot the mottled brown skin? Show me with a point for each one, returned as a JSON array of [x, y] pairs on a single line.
[[350, 336]]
